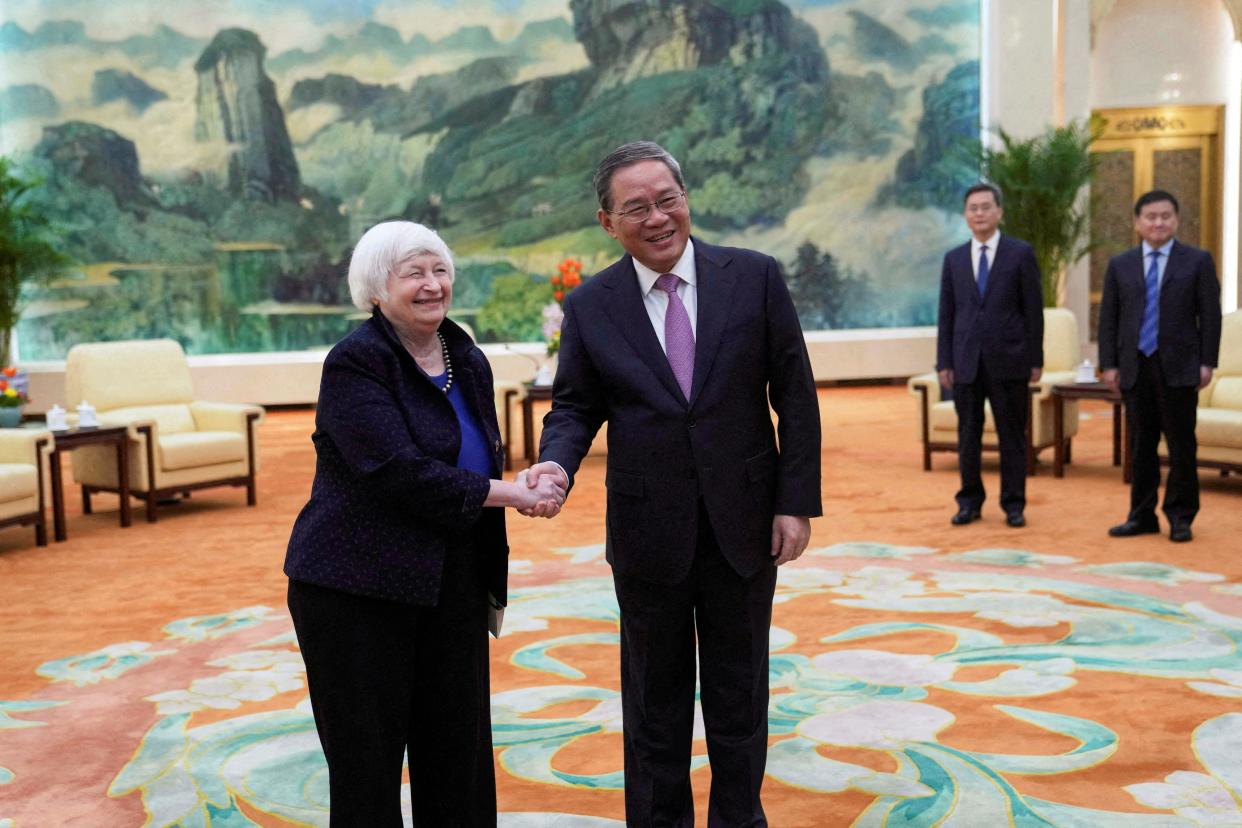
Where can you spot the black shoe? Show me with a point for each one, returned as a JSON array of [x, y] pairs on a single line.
[[1015, 519], [1134, 527], [1180, 533], [964, 516]]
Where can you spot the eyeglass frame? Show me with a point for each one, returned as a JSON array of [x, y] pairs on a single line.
[[647, 207]]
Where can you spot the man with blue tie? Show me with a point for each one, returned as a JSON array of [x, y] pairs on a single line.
[[1159, 340], [990, 345]]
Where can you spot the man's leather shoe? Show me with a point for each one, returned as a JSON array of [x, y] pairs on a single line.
[[964, 516], [1133, 527], [1180, 532], [1015, 519]]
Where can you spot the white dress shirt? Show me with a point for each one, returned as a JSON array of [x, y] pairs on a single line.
[[1161, 263], [976, 246], [656, 301]]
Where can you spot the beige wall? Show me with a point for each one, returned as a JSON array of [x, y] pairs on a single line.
[[1153, 52]]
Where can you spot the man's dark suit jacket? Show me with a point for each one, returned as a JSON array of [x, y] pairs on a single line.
[[388, 502], [665, 453], [1189, 332], [1003, 329]]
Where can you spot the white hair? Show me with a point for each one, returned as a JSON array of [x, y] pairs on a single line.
[[381, 249]]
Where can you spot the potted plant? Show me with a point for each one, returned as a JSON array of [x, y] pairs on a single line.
[[11, 401], [1041, 179], [26, 254]]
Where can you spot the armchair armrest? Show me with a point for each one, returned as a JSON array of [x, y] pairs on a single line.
[[135, 425], [1050, 379], [1205, 393], [19, 445], [218, 416], [927, 388], [925, 383]]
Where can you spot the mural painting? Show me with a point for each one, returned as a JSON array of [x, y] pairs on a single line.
[[209, 172]]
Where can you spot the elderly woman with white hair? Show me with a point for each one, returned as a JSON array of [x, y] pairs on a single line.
[[392, 559]]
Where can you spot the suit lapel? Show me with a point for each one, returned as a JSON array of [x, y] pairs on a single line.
[[716, 284], [1173, 269], [1137, 274], [965, 274], [627, 310]]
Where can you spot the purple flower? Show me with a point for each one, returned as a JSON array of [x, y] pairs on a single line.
[[552, 317]]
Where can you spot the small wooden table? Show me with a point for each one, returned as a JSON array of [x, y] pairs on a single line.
[[533, 393], [117, 436], [510, 393], [1089, 391]]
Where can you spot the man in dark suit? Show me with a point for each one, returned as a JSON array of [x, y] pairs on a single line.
[[989, 346], [1159, 339], [679, 346]]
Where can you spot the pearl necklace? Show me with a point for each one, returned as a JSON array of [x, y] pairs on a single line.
[[448, 365]]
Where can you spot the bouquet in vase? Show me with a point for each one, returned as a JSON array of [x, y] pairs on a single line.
[[567, 277]]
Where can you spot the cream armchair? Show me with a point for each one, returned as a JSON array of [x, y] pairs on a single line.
[[1218, 429], [1062, 354], [176, 443], [23, 462]]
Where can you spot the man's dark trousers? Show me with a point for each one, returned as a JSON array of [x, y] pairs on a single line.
[[1153, 407], [731, 616], [1010, 410]]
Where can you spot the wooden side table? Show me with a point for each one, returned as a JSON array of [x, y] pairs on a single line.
[[117, 436], [1089, 391], [510, 393], [533, 393]]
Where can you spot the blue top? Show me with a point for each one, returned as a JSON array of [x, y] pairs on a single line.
[[476, 453]]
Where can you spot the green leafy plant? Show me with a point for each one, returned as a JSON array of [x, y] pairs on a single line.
[[11, 397], [26, 254], [1041, 179]]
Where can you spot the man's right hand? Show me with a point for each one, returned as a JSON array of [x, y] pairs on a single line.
[[1112, 378], [542, 474], [946, 377]]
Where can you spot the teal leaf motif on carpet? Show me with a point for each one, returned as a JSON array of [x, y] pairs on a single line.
[[7, 722]]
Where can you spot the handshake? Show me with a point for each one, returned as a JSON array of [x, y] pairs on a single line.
[[541, 490]]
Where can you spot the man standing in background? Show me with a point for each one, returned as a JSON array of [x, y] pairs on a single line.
[[990, 345], [1159, 340]]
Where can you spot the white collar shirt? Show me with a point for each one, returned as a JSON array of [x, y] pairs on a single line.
[[1161, 263], [976, 246], [656, 301]]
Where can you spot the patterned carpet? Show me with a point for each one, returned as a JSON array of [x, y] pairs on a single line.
[[930, 677]]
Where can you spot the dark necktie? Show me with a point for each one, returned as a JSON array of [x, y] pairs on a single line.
[[678, 335], [1149, 332], [982, 278]]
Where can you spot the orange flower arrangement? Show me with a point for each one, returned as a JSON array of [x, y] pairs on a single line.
[[567, 277]]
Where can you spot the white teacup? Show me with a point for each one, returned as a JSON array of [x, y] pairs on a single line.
[[56, 418], [86, 415]]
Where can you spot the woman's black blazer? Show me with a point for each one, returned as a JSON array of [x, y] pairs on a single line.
[[388, 502]]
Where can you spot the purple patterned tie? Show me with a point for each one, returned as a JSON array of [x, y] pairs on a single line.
[[678, 335]]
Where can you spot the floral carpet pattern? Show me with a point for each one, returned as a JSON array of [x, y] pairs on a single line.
[[910, 687]]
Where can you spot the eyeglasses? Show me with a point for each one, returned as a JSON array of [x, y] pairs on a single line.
[[668, 204]]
